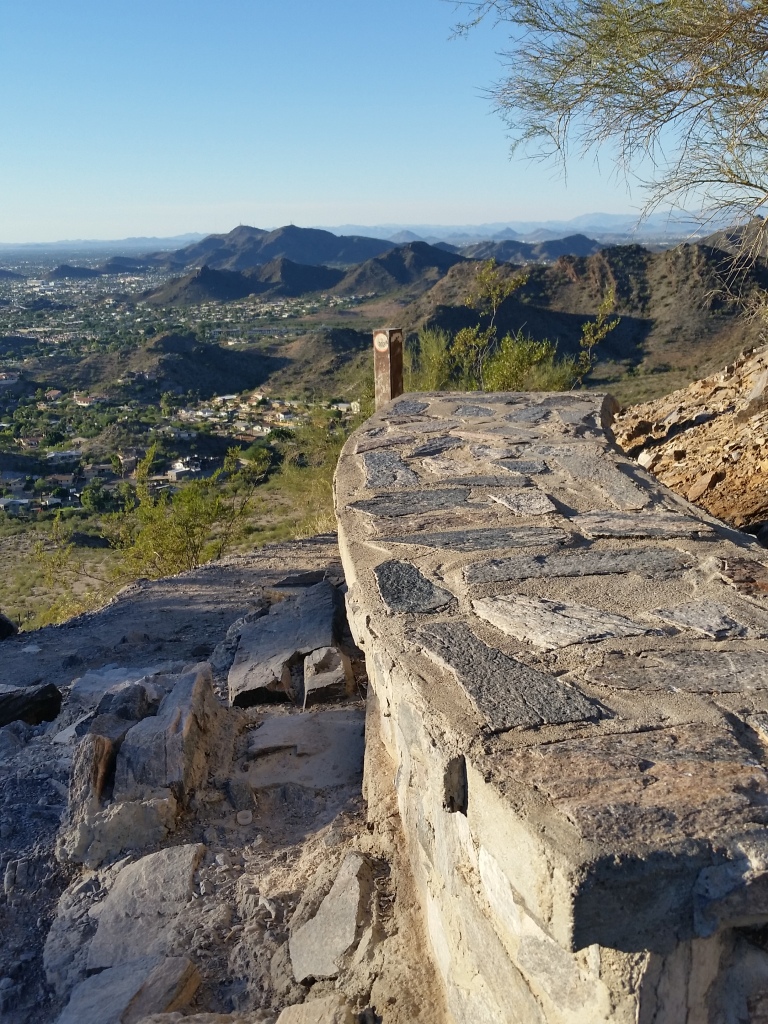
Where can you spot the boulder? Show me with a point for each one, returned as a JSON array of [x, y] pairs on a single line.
[[326, 671], [269, 646], [317, 946], [30, 704], [89, 689], [171, 750], [130, 826], [7, 627]]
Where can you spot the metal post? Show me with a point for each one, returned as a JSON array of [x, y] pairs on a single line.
[[388, 364]]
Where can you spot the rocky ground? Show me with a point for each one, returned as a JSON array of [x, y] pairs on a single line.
[[187, 838], [708, 441]]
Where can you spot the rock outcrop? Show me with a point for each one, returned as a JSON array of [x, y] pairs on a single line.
[[709, 441], [163, 850]]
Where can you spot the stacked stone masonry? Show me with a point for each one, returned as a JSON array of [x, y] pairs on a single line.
[[569, 673]]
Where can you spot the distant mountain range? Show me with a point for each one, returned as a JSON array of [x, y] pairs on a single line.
[[415, 264], [245, 247], [278, 278], [511, 251], [603, 226], [138, 244]]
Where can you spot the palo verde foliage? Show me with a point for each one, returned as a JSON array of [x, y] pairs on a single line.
[[678, 89]]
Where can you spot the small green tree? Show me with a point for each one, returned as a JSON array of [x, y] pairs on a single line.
[[492, 287], [164, 533], [595, 331]]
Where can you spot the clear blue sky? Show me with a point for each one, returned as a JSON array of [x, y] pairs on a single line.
[[156, 117]]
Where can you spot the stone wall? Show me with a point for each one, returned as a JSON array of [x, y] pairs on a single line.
[[569, 675]]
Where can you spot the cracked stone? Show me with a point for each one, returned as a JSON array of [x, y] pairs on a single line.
[[708, 618], [525, 503], [550, 624], [688, 671], [600, 471], [485, 540], [660, 524], [436, 446], [531, 467], [648, 562], [397, 505], [386, 469]]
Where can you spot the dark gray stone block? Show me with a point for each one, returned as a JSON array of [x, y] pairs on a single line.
[[528, 414], [408, 407], [506, 692], [386, 469], [30, 704], [485, 540], [404, 589], [506, 482], [436, 446], [415, 501], [643, 561]]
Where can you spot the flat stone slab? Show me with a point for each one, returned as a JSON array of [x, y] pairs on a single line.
[[643, 561], [318, 750], [385, 440], [397, 505], [292, 629], [387, 469], [404, 589], [659, 524], [316, 948], [708, 619], [525, 503], [596, 469], [492, 451], [550, 624], [485, 540], [486, 480], [506, 692], [137, 917], [528, 414], [712, 671]]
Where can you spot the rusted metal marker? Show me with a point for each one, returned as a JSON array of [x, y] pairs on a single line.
[[388, 364]]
